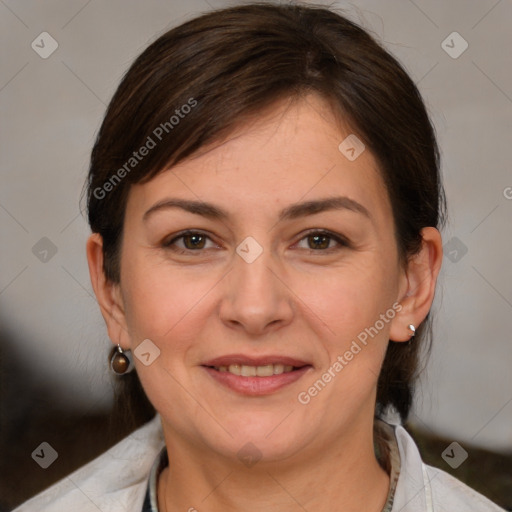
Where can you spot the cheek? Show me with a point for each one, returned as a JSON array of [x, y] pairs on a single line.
[[168, 307], [350, 298], [163, 301], [350, 303], [357, 307]]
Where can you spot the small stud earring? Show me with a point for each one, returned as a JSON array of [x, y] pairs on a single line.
[[413, 329], [120, 363]]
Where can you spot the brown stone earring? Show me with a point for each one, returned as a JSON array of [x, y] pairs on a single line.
[[120, 363]]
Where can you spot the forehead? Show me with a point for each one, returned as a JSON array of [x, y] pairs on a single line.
[[290, 152]]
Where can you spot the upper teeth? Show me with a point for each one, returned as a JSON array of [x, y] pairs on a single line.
[[255, 371]]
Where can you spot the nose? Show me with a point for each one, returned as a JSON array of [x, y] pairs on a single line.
[[256, 298]]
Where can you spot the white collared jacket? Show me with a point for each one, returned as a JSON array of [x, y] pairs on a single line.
[[117, 480]]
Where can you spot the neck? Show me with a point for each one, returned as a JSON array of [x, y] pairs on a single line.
[[342, 472]]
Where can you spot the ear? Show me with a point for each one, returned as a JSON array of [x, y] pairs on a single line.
[[417, 286], [108, 294]]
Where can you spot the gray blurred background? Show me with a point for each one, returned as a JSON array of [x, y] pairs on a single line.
[[60, 64]]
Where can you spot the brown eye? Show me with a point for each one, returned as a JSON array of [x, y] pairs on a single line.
[[192, 241], [321, 241]]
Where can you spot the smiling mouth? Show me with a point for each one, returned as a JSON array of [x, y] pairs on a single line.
[[256, 375], [266, 370]]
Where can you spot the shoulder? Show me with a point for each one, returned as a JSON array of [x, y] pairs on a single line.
[[423, 488], [116, 480], [454, 495]]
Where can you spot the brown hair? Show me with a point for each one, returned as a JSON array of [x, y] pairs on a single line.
[[230, 64]]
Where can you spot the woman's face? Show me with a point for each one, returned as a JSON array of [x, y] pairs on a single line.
[[257, 285]]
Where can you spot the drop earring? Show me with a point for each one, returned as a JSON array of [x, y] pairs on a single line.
[[120, 363]]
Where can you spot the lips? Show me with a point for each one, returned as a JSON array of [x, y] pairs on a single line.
[[256, 375]]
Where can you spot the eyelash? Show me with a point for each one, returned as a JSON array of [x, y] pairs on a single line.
[[343, 242]]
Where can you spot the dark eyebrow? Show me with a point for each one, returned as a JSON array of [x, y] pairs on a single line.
[[291, 212]]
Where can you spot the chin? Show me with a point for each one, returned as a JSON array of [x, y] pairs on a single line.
[[267, 438]]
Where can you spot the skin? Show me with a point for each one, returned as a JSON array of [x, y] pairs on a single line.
[[294, 300]]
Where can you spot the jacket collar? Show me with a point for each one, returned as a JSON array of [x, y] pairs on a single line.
[[413, 490]]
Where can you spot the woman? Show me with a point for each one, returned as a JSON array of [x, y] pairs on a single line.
[[265, 202]]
